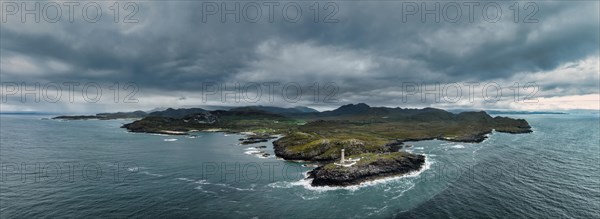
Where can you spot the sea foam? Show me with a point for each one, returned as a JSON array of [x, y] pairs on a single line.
[[306, 183], [458, 146]]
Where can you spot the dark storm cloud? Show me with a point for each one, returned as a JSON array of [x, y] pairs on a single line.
[[369, 49]]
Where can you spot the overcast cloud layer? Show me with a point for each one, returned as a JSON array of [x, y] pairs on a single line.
[[368, 55]]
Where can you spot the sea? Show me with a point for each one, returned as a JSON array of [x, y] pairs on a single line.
[[95, 169]]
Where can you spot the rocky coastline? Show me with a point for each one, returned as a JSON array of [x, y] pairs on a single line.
[[373, 136], [369, 167]]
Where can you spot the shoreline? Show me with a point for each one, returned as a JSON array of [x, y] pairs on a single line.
[[371, 166], [306, 181], [318, 143], [398, 172], [360, 180]]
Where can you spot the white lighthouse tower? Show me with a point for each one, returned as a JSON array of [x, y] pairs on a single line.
[[346, 163]]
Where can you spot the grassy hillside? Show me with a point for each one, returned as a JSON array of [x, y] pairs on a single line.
[[356, 128]]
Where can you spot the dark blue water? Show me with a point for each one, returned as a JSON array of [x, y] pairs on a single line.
[[95, 169]]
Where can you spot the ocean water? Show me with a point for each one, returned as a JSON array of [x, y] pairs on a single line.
[[95, 169]]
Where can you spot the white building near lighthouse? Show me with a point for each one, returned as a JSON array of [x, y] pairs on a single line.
[[346, 163]]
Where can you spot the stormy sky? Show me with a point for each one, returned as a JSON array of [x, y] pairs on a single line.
[[183, 54]]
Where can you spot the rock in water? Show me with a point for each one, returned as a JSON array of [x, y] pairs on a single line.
[[370, 166]]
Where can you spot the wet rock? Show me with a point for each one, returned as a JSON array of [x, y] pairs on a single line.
[[370, 167]]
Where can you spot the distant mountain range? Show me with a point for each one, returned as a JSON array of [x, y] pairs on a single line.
[[511, 112], [107, 116], [277, 110], [180, 113], [177, 113], [348, 111]]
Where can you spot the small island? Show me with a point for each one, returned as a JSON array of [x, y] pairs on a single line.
[[370, 136]]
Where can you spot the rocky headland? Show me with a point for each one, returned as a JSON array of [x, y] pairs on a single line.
[[372, 134], [368, 167]]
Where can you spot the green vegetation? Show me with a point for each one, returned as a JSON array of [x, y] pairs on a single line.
[[373, 134], [229, 121], [356, 128], [322, 140], [370, 159]]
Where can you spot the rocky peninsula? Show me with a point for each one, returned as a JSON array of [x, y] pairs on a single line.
[[372, 134]]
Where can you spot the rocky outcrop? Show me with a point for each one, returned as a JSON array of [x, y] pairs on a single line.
[[510, 125], [370, 167], [257, 138]]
